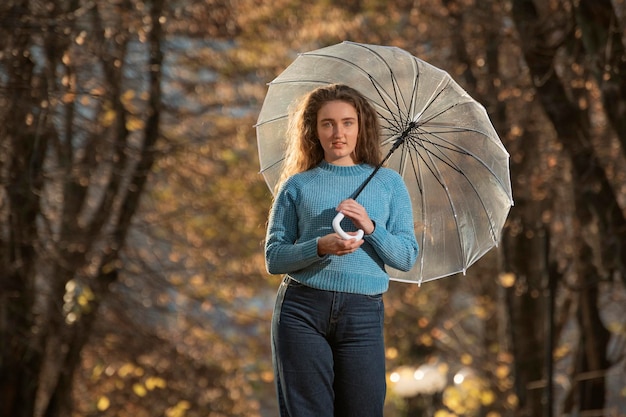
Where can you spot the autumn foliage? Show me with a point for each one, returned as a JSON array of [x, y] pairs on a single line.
[[132, 213]]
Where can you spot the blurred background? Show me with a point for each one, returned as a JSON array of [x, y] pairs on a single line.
[[132, 211]]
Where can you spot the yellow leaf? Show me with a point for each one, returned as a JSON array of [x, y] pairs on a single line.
[[391, 353], [107, 118], [196, 280], [267, 376], [179, 410], [502, 371], [562, 351], [69, 97], [480, 312], [82, 300], [487, 397], [466, 359], [126, 370], [134, 123], [507, 279], [97, 371], [103, 403], [443, 368], [128, 95], [426, 340], [512, 400], [155, 382], [139, 390], [616, 327], [453, 399]]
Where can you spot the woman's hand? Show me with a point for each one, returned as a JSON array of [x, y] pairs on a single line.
[[356, 212], [333, 244]]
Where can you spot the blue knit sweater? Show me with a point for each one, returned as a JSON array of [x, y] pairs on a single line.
[[303, 212]]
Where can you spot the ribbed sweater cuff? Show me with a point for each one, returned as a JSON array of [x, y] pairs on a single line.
[[309, 250]]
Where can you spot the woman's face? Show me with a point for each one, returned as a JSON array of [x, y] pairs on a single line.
[[337, 130]]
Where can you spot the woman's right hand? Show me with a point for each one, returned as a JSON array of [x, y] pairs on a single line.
[[333, 244]]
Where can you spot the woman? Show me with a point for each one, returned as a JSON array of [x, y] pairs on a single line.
[[327, 328]]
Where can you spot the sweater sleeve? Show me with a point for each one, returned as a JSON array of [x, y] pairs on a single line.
[[394, 240], [284, 253]]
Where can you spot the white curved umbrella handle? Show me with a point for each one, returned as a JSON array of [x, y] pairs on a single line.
[[337, 226]]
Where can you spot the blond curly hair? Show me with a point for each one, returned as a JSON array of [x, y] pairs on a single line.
[[304, 150]]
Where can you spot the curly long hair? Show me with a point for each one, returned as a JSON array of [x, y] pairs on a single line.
[[304, 150]]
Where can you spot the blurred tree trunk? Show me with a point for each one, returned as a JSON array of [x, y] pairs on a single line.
[[602, 35], [70, 189], [596, 204], [487, 93], [21, 156], [604, 53], [524, 243], [524, 256]]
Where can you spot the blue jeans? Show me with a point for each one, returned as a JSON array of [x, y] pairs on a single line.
[[328, 352]]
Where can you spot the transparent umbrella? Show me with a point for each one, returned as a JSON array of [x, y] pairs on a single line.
[[433, 133]]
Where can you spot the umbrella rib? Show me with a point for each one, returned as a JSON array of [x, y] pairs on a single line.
[[441, 157], [271, 165], [455, 148], [432, 100], [395, 123], [466, 129], [432, 168], [401, 127], [384, 104], [274, 119], [405, 153], [417, 171], [397, 91], [376, 84], [399, 121]]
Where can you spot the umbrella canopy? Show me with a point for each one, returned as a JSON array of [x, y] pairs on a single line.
[[434, 134]]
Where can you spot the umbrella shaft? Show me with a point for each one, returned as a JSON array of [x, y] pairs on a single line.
[[362, 186], [395, 146]]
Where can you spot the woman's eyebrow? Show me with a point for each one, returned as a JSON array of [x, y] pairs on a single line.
[[330, 119]]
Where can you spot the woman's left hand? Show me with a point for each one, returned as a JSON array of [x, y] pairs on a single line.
[[357, 213]]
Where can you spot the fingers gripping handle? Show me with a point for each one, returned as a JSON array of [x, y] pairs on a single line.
[[337, 226]]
